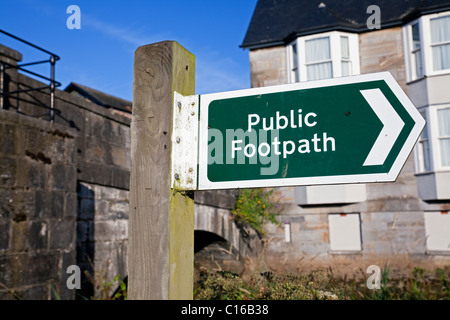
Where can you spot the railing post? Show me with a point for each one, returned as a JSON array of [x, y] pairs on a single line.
[[52, 88], [2, 84]]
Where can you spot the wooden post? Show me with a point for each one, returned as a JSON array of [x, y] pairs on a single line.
[[161, 221]]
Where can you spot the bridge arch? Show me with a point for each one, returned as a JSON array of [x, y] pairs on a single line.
[[220, 243]]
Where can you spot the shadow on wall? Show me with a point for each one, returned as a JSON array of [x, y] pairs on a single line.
[[85, 238], [215, 253]]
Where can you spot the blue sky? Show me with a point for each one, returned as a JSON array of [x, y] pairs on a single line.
[[100, 54]]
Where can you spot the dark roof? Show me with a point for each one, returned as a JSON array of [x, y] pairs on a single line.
[[277, 22], [98, 97]]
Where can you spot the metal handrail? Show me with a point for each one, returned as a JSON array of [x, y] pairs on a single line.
[[52, 82]]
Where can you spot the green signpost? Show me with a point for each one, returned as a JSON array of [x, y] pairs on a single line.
[[345, 130]]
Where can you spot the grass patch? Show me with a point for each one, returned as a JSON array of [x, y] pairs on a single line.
[[322, 285]]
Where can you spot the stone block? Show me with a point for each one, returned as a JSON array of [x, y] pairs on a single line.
[[33, 268], [105, 230], [218, 198], [5, 271], [29, 235], [70, 204], [37, 236], [4, 234], [73, 115], [102, 211], [6, 203], [120, 178], [96, 151], [43, 203], [120, 209], [7, 171], [38, 292], [94, 173], [57, 207], [121, 229], [23, 205], [62, 234], [120, 156], [71, 178], [58, 177], [22, 176], [7, 139]]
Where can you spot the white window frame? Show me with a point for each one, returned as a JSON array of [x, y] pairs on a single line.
[[425, 47], [293, 67], [431, 114], [418, 151], [436, 145], [336, 59]]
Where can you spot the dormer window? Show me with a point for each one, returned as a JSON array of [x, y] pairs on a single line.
[[323, 56], [427, 46], [440, 42]]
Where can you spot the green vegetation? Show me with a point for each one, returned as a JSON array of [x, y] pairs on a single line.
[[322, 285], [257, 208], [103, 288]]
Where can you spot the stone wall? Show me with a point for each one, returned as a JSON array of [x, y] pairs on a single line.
[[64, 193], [220, 242], [38, 200], [382, 50], [102, 232], [268, 66], [64, 190]]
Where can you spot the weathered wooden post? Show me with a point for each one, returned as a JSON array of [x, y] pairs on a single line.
[[161, 222]]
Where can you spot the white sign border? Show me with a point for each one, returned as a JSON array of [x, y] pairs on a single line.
[[205, 184]]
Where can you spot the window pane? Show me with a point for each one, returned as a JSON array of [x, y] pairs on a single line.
[[444, 135], [445, 152], [345, 68], [294, 56], [440, 32], [317, 49], [425, 149], [440, 29], [319, 71], [345, 52], [441, 57], [444, 122], [417, 55], [418, 62], [415, 36]]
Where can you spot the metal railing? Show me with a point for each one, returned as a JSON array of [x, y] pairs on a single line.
[[53, 84]]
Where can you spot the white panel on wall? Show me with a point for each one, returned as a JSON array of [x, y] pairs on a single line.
[[437, 228], [345, 232]]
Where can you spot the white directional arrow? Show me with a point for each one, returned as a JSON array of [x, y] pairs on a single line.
[[392, 126]]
